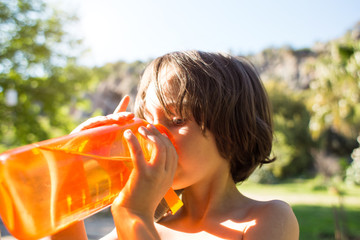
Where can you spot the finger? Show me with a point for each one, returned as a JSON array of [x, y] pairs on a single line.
[[164, 154], [123, 104], [118, 118], [136, 152], [171, 154], [121, 117], [91, 123], [158, 153]]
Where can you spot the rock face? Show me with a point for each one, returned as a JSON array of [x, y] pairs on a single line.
[[122, 80], [282, 64]]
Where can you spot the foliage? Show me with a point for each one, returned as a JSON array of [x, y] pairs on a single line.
[[292, 138], [333, 101], [353, 172], [40, 81], [335, 90]]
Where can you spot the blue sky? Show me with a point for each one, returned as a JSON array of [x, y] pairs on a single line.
[[142, 29]]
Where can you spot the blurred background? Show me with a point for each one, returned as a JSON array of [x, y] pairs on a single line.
[[62, 62]]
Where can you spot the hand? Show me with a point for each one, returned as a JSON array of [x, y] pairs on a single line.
[[151, 179], [77, 230], [118, 117], [148, 182]]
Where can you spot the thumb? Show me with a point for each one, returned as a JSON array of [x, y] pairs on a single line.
[[123, 104]]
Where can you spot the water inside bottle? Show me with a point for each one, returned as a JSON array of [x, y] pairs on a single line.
[[73, 185], [47, 186]]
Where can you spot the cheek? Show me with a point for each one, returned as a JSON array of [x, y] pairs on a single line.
[[190, 147], [180, 142]]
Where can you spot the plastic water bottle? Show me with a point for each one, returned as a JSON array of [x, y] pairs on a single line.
[[46, 186]]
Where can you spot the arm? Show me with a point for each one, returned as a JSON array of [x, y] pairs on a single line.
[[275, 220], [76, 231], [132, 225]]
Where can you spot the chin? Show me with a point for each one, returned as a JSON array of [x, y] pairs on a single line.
[[178, 185]]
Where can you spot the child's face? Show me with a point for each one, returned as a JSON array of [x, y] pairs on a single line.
[[198, 154]]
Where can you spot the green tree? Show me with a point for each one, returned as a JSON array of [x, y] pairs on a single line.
[[335, 89], [292, 142], [40, 81], [352, 175]]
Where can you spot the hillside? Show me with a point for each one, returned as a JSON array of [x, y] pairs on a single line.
[[281, 64]]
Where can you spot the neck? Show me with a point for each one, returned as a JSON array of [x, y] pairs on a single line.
[[207, 199]]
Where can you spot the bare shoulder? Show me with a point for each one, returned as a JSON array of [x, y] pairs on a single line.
[[274, 220]]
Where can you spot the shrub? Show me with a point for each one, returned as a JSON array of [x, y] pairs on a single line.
[[353, 171], [292, 142]]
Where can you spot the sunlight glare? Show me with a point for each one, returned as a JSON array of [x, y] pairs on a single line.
[[242, 226]]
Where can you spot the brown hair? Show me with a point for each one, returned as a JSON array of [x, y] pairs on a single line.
[[225, 95]]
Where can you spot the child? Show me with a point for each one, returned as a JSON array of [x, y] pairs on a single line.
[[218, 112]]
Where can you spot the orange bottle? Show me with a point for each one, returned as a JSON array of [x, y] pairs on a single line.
[[46, 186]]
